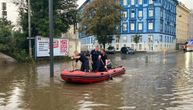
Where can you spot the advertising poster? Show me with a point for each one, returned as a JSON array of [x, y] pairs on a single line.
[[43, 49]]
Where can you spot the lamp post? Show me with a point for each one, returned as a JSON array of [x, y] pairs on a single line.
[[29, 28], [51, 34]]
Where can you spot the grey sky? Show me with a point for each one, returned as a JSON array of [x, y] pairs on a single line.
[[188, 3]]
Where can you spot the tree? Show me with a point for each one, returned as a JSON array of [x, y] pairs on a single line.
[[65, 12], [12, 43], [101, 19], [136, 38], [5, 33]]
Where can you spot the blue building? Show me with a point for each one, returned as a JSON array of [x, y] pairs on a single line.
[[154, 20]]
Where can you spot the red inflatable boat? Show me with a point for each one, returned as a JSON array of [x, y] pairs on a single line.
[[77, 76]]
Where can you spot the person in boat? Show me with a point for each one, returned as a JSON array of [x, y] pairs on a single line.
[[106, 63], [96, 57], [103, 61], [83, 59]]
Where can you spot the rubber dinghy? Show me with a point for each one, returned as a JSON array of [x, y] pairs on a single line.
[[78, 76]]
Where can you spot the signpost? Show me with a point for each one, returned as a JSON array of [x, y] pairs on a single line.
[[51, 34], [29, 28]]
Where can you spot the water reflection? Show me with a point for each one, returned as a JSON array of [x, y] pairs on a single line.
[[152, 85]]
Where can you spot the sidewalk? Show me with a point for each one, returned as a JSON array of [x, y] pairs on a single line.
[[4, 59]]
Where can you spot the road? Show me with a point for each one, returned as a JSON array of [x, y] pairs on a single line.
[[157, 83]]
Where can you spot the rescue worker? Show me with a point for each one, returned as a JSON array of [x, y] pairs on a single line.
[[96, 57], [106, 63], [103, 61], [83, 59]]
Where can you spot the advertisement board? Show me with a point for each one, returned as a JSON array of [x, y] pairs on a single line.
[[43, 49]]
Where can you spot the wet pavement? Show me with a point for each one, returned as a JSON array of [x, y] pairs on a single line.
[[161, 83]]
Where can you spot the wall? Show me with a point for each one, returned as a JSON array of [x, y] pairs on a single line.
[[74, 43], [12, 11], [182, 23], [191, 24]]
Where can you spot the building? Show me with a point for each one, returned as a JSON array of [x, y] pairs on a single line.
[[182, 25], [10, 11], [155, 21], [74, 43], [191, 25]]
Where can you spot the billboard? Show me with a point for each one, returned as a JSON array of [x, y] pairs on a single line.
[[43, 49]]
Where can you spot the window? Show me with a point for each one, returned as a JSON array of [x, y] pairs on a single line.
[[4, 6], [165, 38], [161, 13], [131, 38], [161, 26], [124, 15], [140, 39], [132, 14], [140, 2], [132, 2], [150, 38], [132, 26], [124, 27], [150, 1], [140, 25], [150, 13], [4, 14], [125, 39], [140, 46], [161, 38], [140, 14], [124, 2], [150, 26]]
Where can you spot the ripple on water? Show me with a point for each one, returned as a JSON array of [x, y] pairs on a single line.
[[127, 108], [182, 97], [88, 105]]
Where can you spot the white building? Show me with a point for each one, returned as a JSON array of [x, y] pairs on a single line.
[[10, 11], [74, 43], [191, 24]]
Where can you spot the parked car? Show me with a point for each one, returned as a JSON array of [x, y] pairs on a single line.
[[127, 50], [110, 50]]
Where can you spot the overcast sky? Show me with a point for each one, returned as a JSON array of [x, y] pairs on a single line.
[[188, 3]]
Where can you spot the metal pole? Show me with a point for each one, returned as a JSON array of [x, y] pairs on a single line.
[[51, 34], [29, 28]]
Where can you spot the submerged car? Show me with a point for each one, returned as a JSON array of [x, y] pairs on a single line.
[[127, 50], [110, 50]]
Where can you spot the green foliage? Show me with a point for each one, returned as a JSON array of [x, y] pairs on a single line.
[[5, 33], [64, 15], [12, 43], [136, 38], [5, 30], [101, 18]]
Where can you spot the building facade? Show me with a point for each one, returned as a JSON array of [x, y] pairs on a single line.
[[74, 43], [10, 11], [182, 24], [191, 25], [153, 20]]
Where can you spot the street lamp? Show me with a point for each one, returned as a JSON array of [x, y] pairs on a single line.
[[51, 34]]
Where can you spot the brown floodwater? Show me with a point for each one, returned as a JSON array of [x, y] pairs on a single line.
[[162, 83]]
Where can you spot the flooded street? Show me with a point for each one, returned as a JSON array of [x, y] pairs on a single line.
[[161, 83]]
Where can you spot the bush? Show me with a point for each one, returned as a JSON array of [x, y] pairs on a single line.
[[13, 43]]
